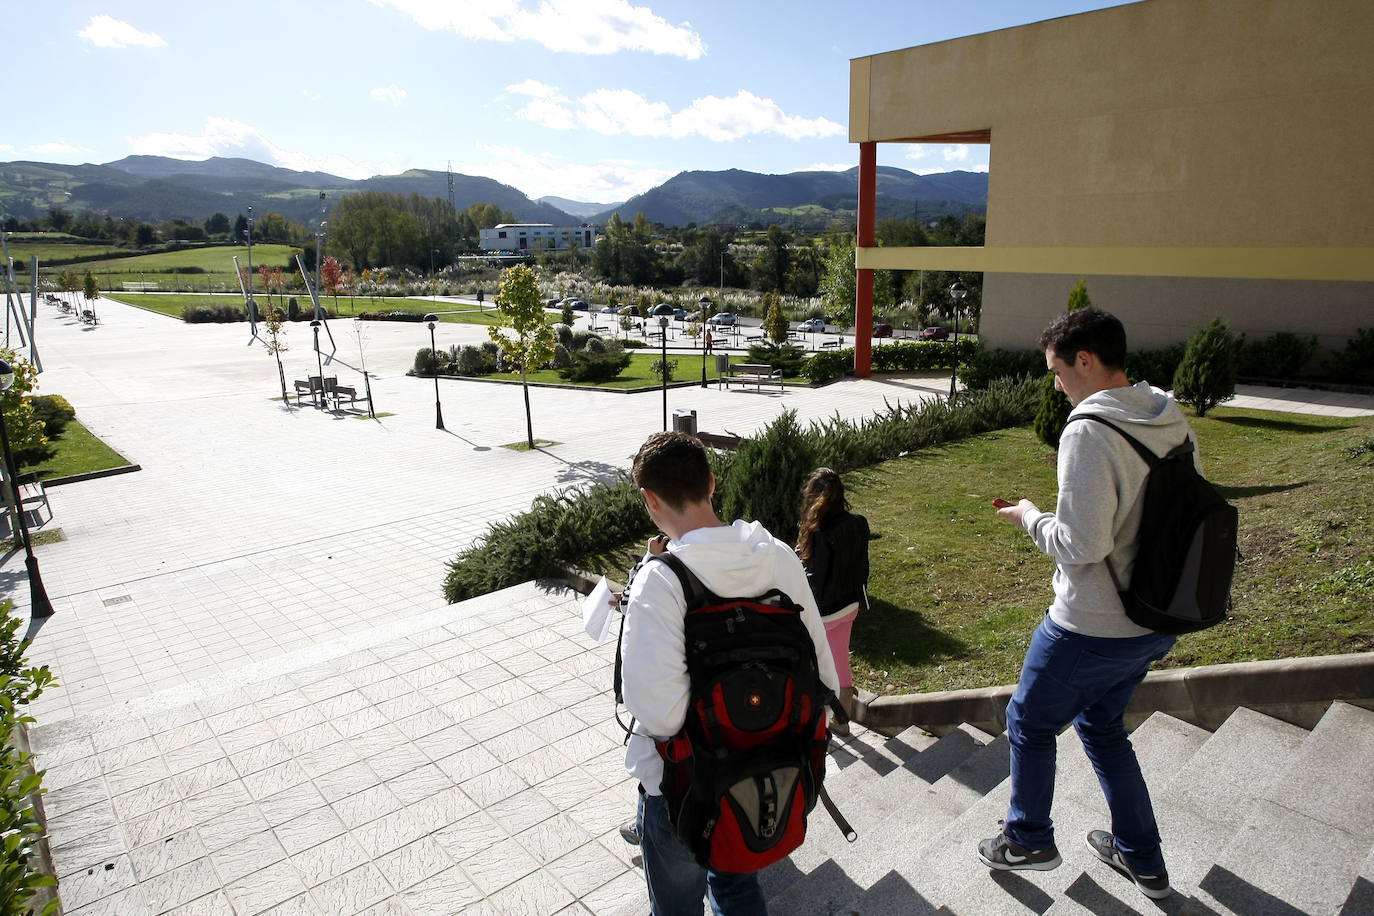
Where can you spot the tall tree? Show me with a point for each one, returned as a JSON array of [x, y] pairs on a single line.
[[532, 345]]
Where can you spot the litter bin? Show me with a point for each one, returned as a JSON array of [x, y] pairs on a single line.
[[685, 421], [722, 363]]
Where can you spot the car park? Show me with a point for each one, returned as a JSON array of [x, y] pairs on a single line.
[[579, 305], [663, 308], [631, 310], [693, 316], [813, 324], [554, 303], [882, 330], [724, 320], [681, 314], [933, 334]]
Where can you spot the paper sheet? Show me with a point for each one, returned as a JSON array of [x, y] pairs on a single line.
[[597, 610]]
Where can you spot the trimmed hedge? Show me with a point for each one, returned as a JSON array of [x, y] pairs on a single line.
[[219, 313]]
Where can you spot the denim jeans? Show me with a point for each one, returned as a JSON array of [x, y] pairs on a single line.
[[677, 882], [1088, 681]]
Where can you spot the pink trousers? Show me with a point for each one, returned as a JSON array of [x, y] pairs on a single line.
[[837, 630]]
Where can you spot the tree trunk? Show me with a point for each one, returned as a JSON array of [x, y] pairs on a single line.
[[281, 373], [529, 422]]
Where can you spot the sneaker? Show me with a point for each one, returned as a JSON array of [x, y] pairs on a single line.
[[629, 832], [1001, 853], [1103, 844]]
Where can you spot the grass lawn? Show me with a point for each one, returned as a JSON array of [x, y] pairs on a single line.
[[344, 307], [216, 266], [639, 374], [956, 593], [78, 451], [54, 247]]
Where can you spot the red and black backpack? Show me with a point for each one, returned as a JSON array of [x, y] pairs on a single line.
[[748, 764]]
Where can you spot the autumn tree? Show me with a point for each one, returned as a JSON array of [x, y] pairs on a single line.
[[275, 325], [531, 343], [331, 278]]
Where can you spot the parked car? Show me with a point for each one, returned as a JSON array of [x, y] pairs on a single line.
[[933, 334], [723, 320], [813, 324], [608, 310], [554, 303], [882, 330], [631, 310], [579, 305], [693, 316], [681, 314], [663, 308]]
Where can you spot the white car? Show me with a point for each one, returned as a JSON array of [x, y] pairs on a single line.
[[724, 320], [813, 324]]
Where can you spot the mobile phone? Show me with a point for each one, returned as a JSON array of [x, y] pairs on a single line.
[[1001, 503]]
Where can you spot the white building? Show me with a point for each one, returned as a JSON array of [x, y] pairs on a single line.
[[523, 237]]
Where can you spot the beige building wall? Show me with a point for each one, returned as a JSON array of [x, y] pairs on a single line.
[[1143, 133]]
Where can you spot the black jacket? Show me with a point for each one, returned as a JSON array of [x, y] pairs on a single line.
[[839, 562]]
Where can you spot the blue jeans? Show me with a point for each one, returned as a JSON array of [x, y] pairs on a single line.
[[1088, 681], [677, 882]]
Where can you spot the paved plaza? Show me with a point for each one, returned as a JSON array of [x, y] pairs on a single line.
[[264, 703]]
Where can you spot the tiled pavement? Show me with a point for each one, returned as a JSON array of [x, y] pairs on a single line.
[[265, 704]]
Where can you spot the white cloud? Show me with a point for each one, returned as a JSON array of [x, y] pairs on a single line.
[[311, 96], [574, 26], [227, 137], [57, 149], [624, 111], [539, 174], [108, 32], [390, 95], [6, 148], [953, 156], [828, 167]]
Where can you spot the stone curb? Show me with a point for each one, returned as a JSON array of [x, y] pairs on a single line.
[[1296, 690], [93, 475]]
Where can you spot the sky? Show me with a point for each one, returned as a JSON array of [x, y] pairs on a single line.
[[591, 100]]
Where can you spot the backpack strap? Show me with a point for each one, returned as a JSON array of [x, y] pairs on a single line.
[[1151, 459], [694, 592]]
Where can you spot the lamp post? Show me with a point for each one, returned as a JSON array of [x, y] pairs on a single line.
[[958, 291], [319, 366], [432, 253], [705, 303], [39, 605], [319, 253], [438, 411], [663, 364], [248, 236]]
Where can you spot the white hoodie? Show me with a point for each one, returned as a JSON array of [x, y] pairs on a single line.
[[734, 561], [1091, 535]]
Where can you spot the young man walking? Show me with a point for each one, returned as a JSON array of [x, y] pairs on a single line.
[[743, 559], [1086, 658]]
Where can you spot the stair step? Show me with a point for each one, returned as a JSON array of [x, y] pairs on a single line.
[[1306, 840], [946, 870]]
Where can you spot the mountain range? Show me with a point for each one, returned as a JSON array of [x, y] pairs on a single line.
[[156, 188]]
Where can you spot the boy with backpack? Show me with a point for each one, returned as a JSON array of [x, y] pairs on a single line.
[[723, 562], [1087, 656]]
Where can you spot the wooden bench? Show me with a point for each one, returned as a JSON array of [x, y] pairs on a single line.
[[757, 374], [32, 491], [307, 388], [336, 392], [88, 317]]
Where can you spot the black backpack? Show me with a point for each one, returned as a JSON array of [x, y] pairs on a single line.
[[1187, 544], [748, 764]]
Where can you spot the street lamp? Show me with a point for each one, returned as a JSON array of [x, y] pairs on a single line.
[[663, 364], [705, 303], [319, 251], [319, 366], [432, 253], [958, 291], [39, 605], [438, 411], [248, 235]]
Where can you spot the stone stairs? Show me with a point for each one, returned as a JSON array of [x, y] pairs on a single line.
[[1260, 817]]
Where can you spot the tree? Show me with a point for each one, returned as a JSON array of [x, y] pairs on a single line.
[[89, 288], [25, 430], [273, 322], [331, 278], [1207, 375], [1054, 407], [838, 286], [775, 323], [240, 234], [217, 224], [522, 310], [764, 482]]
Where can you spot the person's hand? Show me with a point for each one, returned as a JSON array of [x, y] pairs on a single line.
[[658, 544], [1015, 513]]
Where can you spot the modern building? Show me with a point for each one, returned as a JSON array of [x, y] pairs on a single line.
[[1189, 158], [533, 237]]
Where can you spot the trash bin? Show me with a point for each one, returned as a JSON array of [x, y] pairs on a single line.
[[685, 421], [722, 363]]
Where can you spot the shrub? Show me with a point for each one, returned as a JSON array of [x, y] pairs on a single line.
[[1053, 412], [787, 357], [921, 356], [595, 345], [580, 338], [1207, 375], [426, 362], [20, 685], [1356, 362], [564, 333], [562, 356], [220, 313], [631, 344], [53, 411], [594, 369], [828, 366], [663, 370], [1154, 366], [765, 480], [987, 366], [473, 361], [293, 310], [1281, 355]]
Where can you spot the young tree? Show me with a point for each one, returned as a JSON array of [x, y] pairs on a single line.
[[275, 325], [775, 323], [838, 286], [1207, 375], [331, 277], [25, 430], [521, 309], [1054, 407]]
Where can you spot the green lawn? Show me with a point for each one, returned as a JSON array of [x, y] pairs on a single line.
[[956, 593], [639, 373], [52, 246], [344, 306], [215, 266], [78, 451]]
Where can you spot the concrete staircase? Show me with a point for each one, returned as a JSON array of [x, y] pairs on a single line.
[[1261, 817]]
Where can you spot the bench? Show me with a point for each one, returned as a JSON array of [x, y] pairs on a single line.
[[31, 491], [832, 344], [307, 388], [88, 317], [757, 374], [337, 392]]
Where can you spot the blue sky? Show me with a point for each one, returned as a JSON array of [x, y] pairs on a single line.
[[587, 99]]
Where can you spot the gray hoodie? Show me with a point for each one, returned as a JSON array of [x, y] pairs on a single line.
[[1092, 533]]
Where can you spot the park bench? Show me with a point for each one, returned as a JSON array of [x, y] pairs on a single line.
[[756, 374], [336, 392], [88, 317], [307, 388], [32, 493], [832, 344]]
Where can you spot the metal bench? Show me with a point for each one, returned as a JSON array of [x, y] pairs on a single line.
[[307, 388], [31, 490], [756, 374], [832, 344], [336, 392]]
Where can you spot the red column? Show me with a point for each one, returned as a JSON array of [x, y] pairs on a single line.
[[863, 305]]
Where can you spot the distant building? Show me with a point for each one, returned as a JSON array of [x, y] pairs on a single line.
[[533, 237]]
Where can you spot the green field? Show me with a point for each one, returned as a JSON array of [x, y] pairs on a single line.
[[211, 269], [77, 451], [956, 593], [51, 246], [172, 304]]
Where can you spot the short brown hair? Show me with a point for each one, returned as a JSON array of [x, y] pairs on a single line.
[[1100, 333], [675, 467]]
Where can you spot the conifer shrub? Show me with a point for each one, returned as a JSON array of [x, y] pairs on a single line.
[[1355, 363], [595, 345], [765, 480], [593, 368], [986, 366], [787, 357], [1282, 355], [1054, 407], [473, 361], [562, 356], [426, 362], [1207, 375]]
